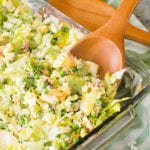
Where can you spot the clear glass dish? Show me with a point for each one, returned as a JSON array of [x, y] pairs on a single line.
[[135, 84]]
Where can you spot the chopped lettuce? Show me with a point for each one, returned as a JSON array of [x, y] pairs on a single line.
[[2, 15], [75, 83], [61, 37]]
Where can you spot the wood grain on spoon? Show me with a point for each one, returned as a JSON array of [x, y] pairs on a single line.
[[92, 14], [105, 46]]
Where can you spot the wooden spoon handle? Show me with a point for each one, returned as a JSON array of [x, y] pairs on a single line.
[[92, 19], [138, 35], [117, 24]]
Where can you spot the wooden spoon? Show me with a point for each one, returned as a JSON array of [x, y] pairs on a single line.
[[92, 14], [105, 46]]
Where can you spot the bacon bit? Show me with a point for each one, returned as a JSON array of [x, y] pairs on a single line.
[[15, 128], [97, 82], [43, 72], [1, 53], [42, 12], [45, 12], [26, 45], [48, 79]]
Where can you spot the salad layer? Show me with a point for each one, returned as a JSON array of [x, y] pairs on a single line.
[[48, 98]]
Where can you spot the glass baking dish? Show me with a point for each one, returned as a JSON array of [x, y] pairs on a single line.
[[135, 84]]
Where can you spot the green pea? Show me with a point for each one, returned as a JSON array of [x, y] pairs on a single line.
[[64, 144], [2, 67], [98, 102], [63, 73], [75, 140], [76, 128]]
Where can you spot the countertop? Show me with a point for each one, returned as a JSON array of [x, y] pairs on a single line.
[[142, 12]]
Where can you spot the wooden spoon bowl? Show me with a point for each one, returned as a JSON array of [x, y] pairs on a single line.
[[102, 51], [105, 46]]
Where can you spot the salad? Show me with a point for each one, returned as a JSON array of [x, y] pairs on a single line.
[[49, 99]]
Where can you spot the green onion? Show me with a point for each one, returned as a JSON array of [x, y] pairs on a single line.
[[4, 126], [65, 28], [21, 119], [63, 111], [29, 82], [48, 143], [54, 40]]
